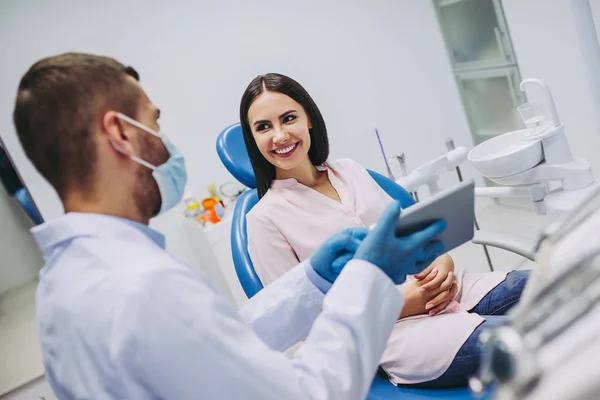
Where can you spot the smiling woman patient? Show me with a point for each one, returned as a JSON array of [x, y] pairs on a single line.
[[305, 198]]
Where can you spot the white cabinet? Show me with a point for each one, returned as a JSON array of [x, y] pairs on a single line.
[[212, 248], [490, 98], [219, 237], [484, 64], [476, 33]]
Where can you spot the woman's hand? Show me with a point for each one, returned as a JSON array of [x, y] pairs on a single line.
[[438, 284], [441, 297], [433, 276], [429, 302]]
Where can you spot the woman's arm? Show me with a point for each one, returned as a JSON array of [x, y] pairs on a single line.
[[414, 301]]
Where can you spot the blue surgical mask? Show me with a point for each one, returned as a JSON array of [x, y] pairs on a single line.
[[171, 177]]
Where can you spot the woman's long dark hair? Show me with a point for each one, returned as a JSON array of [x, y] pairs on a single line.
[[264, 171]]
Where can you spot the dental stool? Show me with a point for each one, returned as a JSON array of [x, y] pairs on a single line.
[[232, 152]]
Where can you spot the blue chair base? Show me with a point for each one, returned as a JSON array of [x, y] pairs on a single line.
[[382, 389]]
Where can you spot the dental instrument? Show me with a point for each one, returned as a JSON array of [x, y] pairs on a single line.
[[554, 333], [524, 163], [555, 329], [536, 156], [429, 173], [385, 159]]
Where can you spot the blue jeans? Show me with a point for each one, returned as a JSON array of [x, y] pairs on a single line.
[[493, 307]]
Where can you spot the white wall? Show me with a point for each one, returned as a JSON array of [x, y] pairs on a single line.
[[20, 259], [367, 63], [550, 42]]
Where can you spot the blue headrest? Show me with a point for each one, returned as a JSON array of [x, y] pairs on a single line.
[[233, 154]]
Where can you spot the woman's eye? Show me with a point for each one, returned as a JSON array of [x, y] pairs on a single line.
[[288, 118], [262, 127]]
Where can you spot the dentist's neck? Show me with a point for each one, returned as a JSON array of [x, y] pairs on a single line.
[[114, 204], [305, 173]]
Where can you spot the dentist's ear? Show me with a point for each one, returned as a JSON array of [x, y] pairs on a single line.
[[115, 131]]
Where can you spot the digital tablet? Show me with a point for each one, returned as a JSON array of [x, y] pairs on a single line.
[[455, 205]]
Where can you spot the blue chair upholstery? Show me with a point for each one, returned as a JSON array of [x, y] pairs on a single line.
[[394, 190], [382, 389], [233, 154], [26, 202], [232, 151], [239, 244]]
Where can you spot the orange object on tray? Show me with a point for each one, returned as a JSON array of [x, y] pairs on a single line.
[[211, 214]]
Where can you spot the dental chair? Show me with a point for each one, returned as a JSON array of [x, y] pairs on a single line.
[[24, 199], [232, 152], [12, 182]]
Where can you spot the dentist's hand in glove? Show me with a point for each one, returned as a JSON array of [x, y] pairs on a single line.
[[329, 260], [400, 256]]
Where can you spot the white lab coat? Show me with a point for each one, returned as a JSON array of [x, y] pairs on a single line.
[[119, 317]]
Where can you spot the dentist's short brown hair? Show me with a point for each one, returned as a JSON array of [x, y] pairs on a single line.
[[60, 100]]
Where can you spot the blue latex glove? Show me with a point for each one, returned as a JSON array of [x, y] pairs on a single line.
[[400, 256], [329, 260]]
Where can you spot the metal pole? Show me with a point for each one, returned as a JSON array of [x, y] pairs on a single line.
[[387, 164]]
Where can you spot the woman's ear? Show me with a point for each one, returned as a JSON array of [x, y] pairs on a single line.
[[113, 129]]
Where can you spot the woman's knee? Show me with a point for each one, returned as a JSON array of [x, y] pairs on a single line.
[[516, 281]]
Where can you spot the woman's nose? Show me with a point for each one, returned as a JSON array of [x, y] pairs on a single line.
[[280, 136]]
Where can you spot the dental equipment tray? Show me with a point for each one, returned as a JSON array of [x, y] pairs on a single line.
[[455, 205]]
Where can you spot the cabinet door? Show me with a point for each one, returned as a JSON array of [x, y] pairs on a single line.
[[475, 32], [490, 99]]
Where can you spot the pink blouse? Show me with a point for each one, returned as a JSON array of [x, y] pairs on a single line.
[[291, 221]]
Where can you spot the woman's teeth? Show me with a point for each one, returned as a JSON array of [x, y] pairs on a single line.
[[286, 149]]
